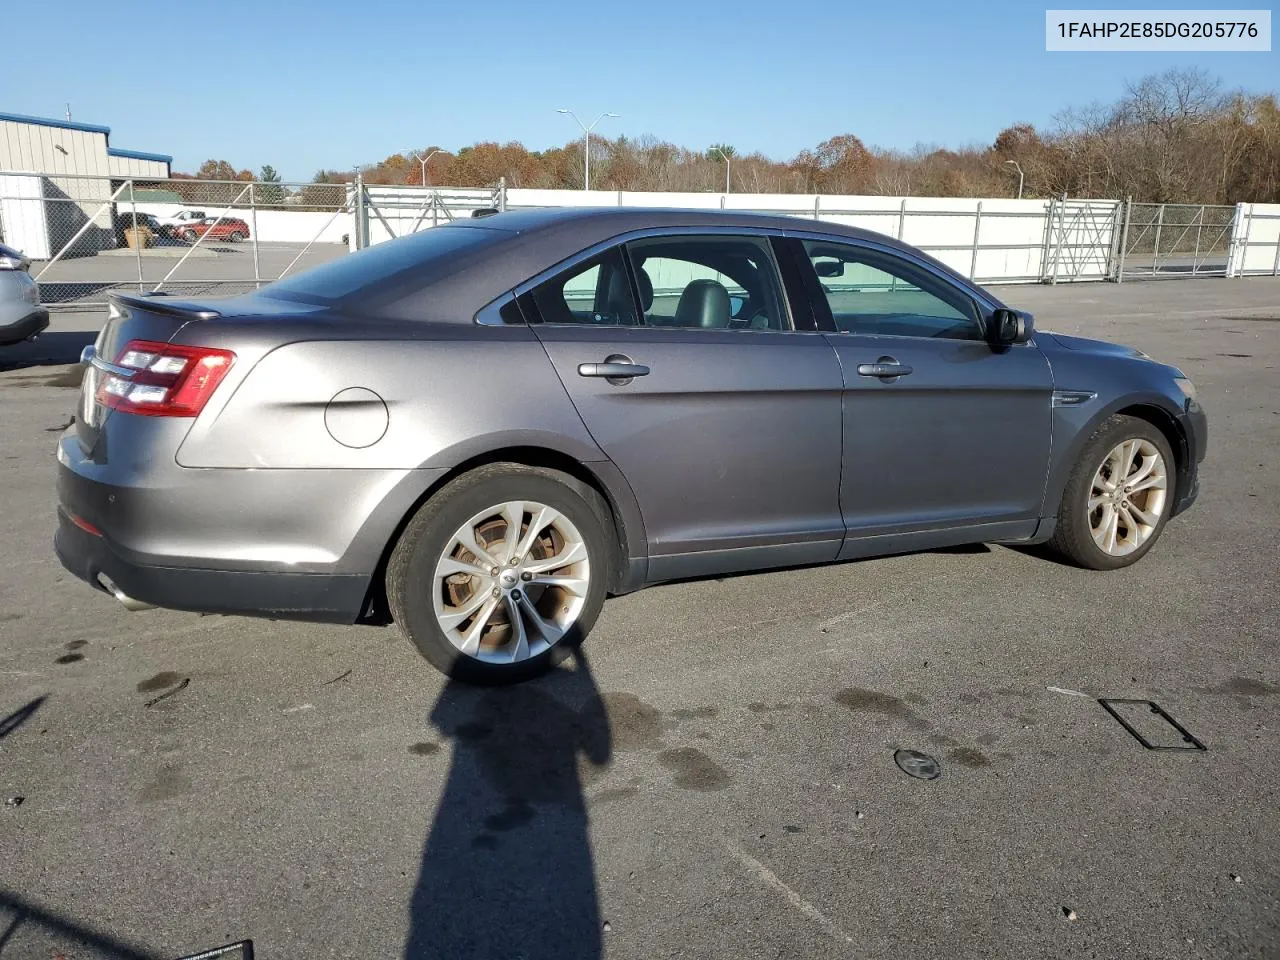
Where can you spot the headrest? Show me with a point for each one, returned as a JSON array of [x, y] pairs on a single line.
[[704, 303]]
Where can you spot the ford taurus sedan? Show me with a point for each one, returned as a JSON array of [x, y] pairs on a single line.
[[480, 431]]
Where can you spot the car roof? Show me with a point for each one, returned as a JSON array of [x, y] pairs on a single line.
[[609, 221]]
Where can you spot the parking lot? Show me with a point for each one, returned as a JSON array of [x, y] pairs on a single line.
[[213, 267], [717, 778]]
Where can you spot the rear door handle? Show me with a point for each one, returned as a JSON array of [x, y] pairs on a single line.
[[613, 369], [885, 371]]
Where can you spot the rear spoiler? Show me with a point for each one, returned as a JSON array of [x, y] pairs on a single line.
[[161, 304]]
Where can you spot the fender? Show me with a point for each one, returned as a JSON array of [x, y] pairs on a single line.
[[1076, 424]]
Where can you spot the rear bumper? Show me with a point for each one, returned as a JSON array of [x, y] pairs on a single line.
[[324, 598], [25, 327], [283, 544]]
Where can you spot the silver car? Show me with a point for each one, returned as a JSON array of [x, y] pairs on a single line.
[[479, 431], [21, 316]]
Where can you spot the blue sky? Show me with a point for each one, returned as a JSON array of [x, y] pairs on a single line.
[[330, 83]]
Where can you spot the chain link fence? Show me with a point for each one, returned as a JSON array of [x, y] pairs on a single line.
[[88, 236]]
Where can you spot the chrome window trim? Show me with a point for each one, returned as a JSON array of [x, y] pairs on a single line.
[[640, 234]]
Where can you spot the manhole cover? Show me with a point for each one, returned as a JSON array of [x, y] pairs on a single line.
[[917, 764]]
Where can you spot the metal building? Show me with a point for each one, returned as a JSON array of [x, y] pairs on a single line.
[[64, 152], [43, 145]]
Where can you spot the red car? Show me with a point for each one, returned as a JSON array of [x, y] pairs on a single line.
[[228, 228]]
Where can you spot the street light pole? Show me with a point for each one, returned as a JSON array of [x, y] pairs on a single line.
[[425, 160], [1020, 177], [727, 167], [586, 144]]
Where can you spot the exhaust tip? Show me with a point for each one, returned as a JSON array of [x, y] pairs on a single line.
[[128, 602]]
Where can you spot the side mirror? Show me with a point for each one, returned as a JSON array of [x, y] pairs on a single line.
[[1010, 326]]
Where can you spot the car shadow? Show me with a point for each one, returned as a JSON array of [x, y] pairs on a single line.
[[1042, 551], [507, 870], [47, 350]]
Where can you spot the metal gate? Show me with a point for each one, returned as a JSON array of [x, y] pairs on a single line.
[[1081, 238], [387, 212], [1172, 240]]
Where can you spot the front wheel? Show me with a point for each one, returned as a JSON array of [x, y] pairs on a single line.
[[1119, 496], [501, 572]]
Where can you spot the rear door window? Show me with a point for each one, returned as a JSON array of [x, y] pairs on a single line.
[[709, 282], [595, 292]]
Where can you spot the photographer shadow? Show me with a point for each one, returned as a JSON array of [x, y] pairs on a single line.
[[507, 870]]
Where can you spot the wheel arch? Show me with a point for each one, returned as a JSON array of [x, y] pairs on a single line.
[[1168, 425], [1148, 408], [628, 563]]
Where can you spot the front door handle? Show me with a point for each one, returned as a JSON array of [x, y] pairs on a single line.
[[613, 370], [885, 370]]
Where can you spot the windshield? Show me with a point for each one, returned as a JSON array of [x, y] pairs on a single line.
[[364, 268]]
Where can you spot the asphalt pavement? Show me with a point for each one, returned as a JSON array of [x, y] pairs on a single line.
[[717, 778]]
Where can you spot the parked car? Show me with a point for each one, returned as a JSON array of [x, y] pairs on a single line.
[[126, 219], [170, 223], [21, 316], [228, 228], [480, 430]]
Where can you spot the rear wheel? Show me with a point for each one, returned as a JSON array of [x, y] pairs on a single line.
[[1119, 496], [236, 236], [502, 572]]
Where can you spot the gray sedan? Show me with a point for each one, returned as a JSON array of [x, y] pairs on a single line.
[[21, 316], [480, 431]]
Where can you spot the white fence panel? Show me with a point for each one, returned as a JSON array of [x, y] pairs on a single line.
[[24, 218], [1255, 249], [1010, 235]]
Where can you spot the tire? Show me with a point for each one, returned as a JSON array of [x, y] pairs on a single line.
[[236, 237], [1074, 535], [416, 588]]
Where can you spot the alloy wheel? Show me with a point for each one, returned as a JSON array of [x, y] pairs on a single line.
[[1128, 497], [511, 582]]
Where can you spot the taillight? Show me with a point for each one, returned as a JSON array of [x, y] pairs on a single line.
[[168, 380], [84, 524]]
